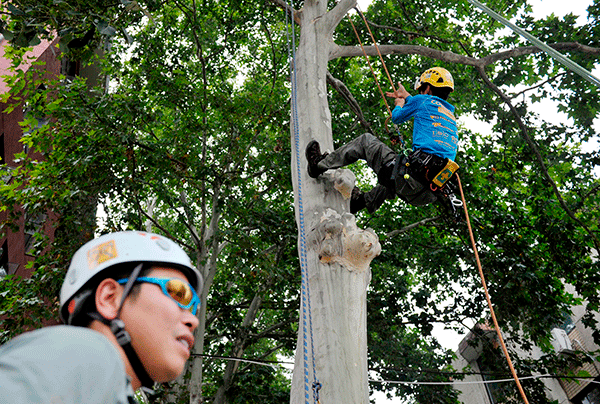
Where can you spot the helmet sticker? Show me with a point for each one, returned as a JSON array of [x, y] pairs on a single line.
[[102, 253], [163, 244], [71, 306]]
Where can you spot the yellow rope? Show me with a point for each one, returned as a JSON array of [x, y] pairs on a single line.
[[370, 67], [376, 47], [487, 296], [373, 71]]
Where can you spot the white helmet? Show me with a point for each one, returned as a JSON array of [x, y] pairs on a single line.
[[123, 247]]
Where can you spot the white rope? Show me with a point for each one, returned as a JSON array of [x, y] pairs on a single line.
[[458, 382], [481, 381]]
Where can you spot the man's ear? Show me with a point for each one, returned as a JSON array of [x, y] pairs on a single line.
[[108, 298]]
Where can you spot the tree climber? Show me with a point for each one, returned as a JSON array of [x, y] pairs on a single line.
[[129, 301], [419, 178]]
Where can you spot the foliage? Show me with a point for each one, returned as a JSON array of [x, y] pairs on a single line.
[[81, 25], [191, 139]]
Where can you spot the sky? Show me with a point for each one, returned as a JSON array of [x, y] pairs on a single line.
[[541, 8]]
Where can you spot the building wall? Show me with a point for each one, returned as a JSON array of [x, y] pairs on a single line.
[[563, 391], [14, 257]]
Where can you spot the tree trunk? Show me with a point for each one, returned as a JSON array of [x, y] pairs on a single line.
[[208, 270], [332, 342]]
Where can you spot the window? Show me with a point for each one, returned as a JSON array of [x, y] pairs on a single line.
[[70, 69], [592, 396], [2, 152], [33, 224], [492, 365], [567, 323], [4, 259], [497, 392]]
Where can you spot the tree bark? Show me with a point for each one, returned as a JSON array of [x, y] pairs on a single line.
[[334, 253]]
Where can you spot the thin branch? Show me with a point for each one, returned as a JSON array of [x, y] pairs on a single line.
[[539, 158], [590, 193], [528, 50], [411, 226], [283, 5], [413, 34], [345, 93], [537, 86]]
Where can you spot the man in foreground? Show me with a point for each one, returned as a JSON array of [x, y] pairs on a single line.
[[129, 301]]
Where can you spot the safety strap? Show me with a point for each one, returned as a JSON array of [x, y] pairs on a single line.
[[117, 327]]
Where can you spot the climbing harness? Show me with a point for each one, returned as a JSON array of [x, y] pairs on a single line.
[[306, 308], [488, 299]]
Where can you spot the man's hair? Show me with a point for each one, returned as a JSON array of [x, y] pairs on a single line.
[[441, 92]]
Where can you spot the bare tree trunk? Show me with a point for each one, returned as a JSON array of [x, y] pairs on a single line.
[[208, 271], [332, 343]]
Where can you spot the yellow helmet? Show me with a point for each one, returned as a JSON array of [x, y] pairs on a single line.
[[437, 77]]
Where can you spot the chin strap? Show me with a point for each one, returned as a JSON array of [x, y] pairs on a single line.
[[117, 327], [124, 339]]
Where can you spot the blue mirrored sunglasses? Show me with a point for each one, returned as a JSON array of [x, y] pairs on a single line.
[[182, 292]]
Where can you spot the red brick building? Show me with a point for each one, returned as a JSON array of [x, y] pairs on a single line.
[[15, 245]]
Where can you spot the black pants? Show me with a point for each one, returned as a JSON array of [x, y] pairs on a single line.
[[381, 159]]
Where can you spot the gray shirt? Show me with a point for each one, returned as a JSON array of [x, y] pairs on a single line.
[[63, 365]]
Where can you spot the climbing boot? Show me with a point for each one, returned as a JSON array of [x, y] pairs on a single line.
[[313, 156], [357, 200]]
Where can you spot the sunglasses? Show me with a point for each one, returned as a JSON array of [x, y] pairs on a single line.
[[181, 292]]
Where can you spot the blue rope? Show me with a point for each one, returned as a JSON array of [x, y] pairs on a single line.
[[306, 307]]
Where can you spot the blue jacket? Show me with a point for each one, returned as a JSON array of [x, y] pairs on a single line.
[[434, 128]]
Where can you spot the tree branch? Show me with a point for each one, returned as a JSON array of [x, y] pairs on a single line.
[[345, 93], [336, 14], [451, 57], [283, 5], [528, 50], [413, 34], [537, 86], [411, 226], [535, 150]]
